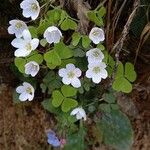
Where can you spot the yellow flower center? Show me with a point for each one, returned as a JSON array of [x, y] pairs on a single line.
[[28, 47], [18, 25], [34, 7], [96, 70], [95, 53], [71, 74], [29, 90], [96, 33]]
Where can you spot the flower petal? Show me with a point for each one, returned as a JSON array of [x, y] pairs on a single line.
[[34, 43], [76, 83], [70, 67], [66, 80], [77, 72], [23, 96], [18, 43], [62, 72], [20, 89], [22, 53], [27, 35]]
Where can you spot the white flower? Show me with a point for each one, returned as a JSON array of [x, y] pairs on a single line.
[[30, 8], [32, 68], [52, 35], [94, 55], [25, 45], [70, 75], [97, 35], [79, 112], [17, 27], [26, 92], [97, 71]]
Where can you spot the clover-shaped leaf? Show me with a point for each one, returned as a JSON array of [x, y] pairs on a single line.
[[130, 74], [63, 98], [85, 41], [63, 51], [76, 38], [68, 24], [51, 57], [68, 104], [68, 91], [123, 78]]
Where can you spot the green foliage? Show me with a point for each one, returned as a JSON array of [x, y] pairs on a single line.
[[76, 38], [123, 78], [76, 141], [51, 82], [63, 51], [68, 24], [51, 57], [63, 98], [85, 41], [20, 62], [33, 31], [116, 130]]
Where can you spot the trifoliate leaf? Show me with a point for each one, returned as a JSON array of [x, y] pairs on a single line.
[[51, 57], [122, 84], [85, 41], [101, 12], [93, 17], [109, 98], [68, 91], [43, 42], [20, 64], [76, 38], [33, 31], [120, 71], [78, 52], [105, 107], [68, 104], [36, 57], [63, 51], [57, 98], [130, 74], [68, 24]]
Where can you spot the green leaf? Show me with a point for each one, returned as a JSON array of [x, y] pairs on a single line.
[[105, 107], [76, 141], [36, 57], [16, 97], [114, 106], [85, 41], [57, 98], [54, 15], [117, 130], [43, 87], [50, 65], [120, 71], [93, 17], [63, 51], [101, 47], [43, 42], [122, 84], [68, 104], [130, 74], [68, 91], [78, 52], [102, 11], [76, 38], [33, 31], [20, 63], [67, 61], [109, 98], [51, 57], [43, 26], [68, 24], [47, 104]]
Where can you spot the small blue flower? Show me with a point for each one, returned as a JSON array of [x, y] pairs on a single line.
[[53, 139]]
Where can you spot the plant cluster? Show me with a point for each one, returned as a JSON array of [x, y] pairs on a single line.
[[76, 74]]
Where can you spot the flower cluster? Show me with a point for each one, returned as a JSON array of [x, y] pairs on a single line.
[[25, 45]]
